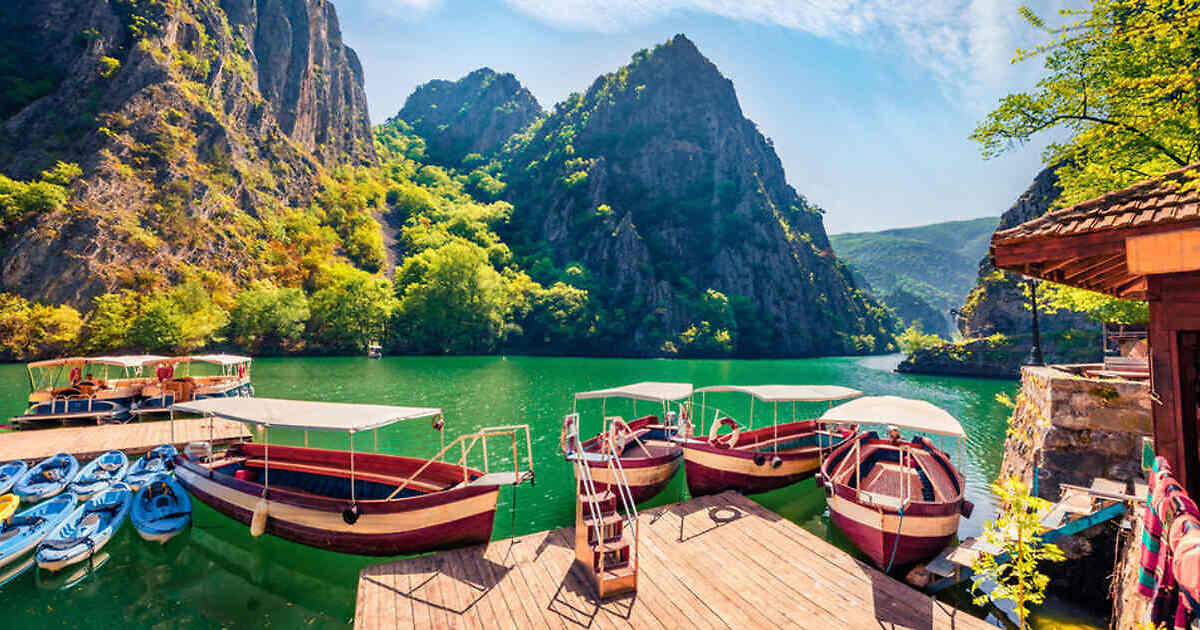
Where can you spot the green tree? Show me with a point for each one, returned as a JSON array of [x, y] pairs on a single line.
[[1017, 532], [29, 330], [269, 319], [159, 326], [110, 320], [913, 339], [451, 300], [1099, 307], [1118, 98], [350, 309], [560, 318]]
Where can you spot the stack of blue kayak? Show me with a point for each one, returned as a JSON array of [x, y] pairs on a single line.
[[10, 473], [86, 530], [160, 460], [99, 474], [26, 529], [46, 479], [161, 509]]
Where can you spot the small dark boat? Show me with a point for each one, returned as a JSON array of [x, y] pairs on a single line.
[[647, 455], [897, 500], [346, 501], [752, 460]]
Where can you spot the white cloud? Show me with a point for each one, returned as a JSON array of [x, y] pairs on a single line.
[[409, 9]]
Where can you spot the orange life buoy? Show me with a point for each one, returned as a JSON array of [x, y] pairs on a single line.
[[617, 437], [241, 372], [728, 441]]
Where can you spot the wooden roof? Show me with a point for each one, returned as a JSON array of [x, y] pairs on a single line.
[[1084, 245]]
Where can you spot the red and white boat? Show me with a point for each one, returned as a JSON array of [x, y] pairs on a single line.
[[347, 501], [897, 500], [646, 452], [751, 460]]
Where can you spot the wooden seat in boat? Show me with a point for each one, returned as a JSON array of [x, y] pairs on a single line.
[[415, 484]]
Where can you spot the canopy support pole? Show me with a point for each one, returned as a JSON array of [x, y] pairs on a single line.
[[306, 438], [751, 412], [353, 499], [776, 430], [703, 408], [375, 440], [266, 459]]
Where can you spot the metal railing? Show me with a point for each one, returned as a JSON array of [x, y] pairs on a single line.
[[465, 450]]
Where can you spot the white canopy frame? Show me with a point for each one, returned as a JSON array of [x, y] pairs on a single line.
[[914, 415], [50, 371], [776, 394], [649, 391]]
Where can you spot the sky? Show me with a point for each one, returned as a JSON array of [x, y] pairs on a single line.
[[869, 102]]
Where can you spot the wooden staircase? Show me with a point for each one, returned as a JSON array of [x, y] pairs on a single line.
[[605, 539]]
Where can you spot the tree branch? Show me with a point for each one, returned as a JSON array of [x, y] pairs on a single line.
[[1120, 125]]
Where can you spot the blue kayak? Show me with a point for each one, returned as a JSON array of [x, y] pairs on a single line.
[[48, 478], [99, 474], [160, 459], [10, 473], [26, 529], [86, 530], [161, 509]]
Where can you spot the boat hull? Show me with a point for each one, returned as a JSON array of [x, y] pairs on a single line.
[[441, 520], [874, 531], [647, 476], [711, 469]]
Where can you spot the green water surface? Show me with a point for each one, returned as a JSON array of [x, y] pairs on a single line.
[[217, 575]]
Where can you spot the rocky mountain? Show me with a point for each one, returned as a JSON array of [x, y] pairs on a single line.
[[921, 272], [201, 128], [654, 191], [473, 115]]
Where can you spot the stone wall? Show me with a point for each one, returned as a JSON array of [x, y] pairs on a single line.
[[1074, 429]]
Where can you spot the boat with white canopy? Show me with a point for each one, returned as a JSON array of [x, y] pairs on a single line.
[[351, 501], [749, 459], [179, 380], [85, 389], [647, 455], [897, 500]]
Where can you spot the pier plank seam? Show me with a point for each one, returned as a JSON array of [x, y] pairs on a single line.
[[753, 569]]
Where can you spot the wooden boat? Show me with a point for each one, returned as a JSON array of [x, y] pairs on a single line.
[[648, 456], [161, 509], [99, 474], [10, 473], [47, 478], [21, 534], [87, 530], [83, 389], [346, 501], [178, 380], [159, 460], [897, 500], [751, 460]]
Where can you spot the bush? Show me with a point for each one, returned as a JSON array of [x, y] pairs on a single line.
[[349, 310], [29, 330], [912, 340], [269, 319]]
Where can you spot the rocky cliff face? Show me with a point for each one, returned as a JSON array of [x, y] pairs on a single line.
[[475, 114], [654, 186], [199, 126]]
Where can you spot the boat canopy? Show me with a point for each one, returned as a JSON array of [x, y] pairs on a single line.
[[789, 393], [130, 361], [904, 413], [650, 391], [217, 359], [304, 414]]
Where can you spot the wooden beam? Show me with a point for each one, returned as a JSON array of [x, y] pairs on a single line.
[[1098, 268], [1134, 289], [1168, 252], [1007, 254]]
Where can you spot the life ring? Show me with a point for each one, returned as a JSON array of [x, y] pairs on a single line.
[[618, 436], [568, 428], [728, 441], [241, 372], [76, 375]]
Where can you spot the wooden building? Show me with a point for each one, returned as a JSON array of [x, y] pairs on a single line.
[[1141, 243]]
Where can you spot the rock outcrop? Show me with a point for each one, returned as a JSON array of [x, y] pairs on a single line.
[[198, 126], [475, 114], [659, 190]]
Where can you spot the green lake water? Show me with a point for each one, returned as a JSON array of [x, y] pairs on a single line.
[[217, 575]]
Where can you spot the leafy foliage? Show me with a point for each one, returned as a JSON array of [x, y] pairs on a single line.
[[29, 329], [912, 340], [1101, 308], [350, 309], [269, 319], [19, 200]]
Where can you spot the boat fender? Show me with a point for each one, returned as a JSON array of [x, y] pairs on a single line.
[[966, 508], [350, 514], [776, 461], [439, 423], [820, 479], [760, 459], [258, 522]]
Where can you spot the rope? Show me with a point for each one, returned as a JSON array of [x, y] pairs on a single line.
[[896, 544]]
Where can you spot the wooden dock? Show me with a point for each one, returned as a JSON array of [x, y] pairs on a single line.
[[714, 562], [134, 438]]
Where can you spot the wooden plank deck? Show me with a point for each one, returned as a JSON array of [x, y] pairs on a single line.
[[713, 562], [134, 438]]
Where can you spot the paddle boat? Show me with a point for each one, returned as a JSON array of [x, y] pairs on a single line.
[[83, 389], [349, 501], [10, 473], [161, 509], [159, 460], [8, 506], [898, 500], [47, 478], [85, 532], [21, 534], [99, 474], [751, 460], [647, 455], [179, 380]]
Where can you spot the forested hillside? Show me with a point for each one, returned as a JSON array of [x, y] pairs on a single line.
[[920, 272]]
